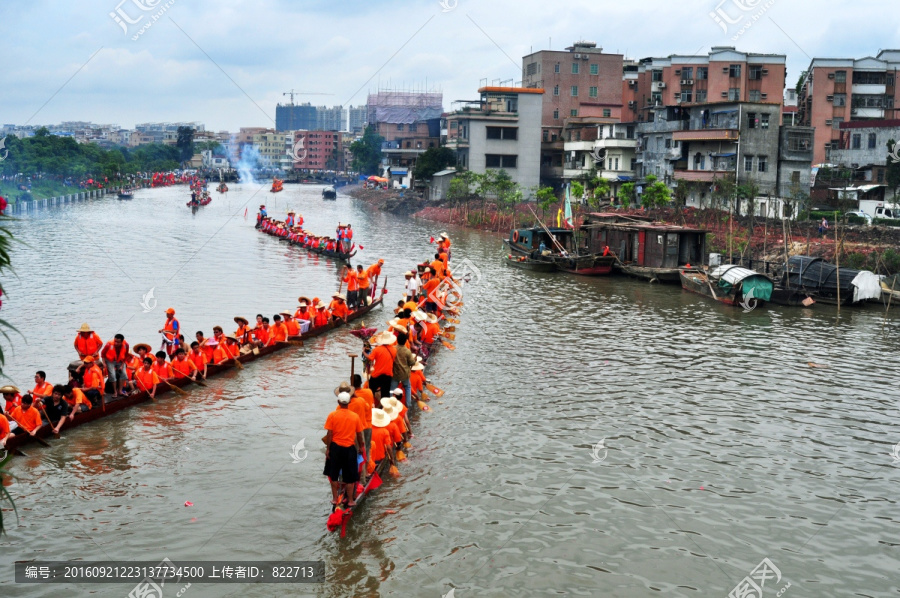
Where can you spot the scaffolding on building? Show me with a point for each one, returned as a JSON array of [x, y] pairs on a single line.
[[396, 106]]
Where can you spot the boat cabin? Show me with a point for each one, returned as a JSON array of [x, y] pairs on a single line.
[[639, 242], [529, 239]]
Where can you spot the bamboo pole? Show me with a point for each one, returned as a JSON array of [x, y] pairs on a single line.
[[837, 262]]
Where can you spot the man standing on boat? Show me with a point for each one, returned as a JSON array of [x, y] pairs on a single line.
[[115, 353], [352, 281], [344, 437], [170, 331], [88, 342]]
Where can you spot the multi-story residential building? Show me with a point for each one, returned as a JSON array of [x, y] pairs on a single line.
[[318, 150], [273, 150], [502, 131], [698, 145], [291, 117], [838, 90], [356, 119], [405, 115], [725, 74], [330, 119], [610, 150], [789, 108], [579, 82], [866, 147]]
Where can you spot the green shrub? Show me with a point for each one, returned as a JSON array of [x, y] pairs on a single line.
[[887, 221]]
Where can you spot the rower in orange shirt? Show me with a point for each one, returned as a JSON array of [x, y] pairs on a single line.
[[163, 368], [42, 389], [182, 366], [27, 416], [227, 350], [243, 333], [362, 296], [429, 289], [322, 317], [93, 379], [76, 399], [293, 328], [87, 342], [338, 308], [352, 286], [437, 266], [146, 378], [262, 333], [5, 432], [278, 332], [11, 396], [417, 380], [207, 346], [198, 358]]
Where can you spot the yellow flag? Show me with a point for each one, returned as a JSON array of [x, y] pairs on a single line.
[[559, 218]]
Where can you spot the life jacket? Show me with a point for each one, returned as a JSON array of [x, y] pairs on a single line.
[[172, 328], [89, 345], [110, 353]]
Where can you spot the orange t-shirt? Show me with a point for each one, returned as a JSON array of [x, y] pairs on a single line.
[[28, 418], [44, 389], [438, 267], [146, 379], [183, 367], [198, 359], [395, 430], [279, 333], [261, 334], [430, 286], [358, 406], [78, 397], [339, 309], [352, 281], [93, 378], [304, 315], [382, 362], [417, 380], [4, 427], [225, 352], [431, 331], [208, 351], [363, 280], [344, 426], [366, 395], [293, 328], [134, 363], [381, 439]]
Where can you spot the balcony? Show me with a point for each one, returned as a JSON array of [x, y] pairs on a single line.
[[699, 175], [867, 112], [864, 89], [610, 143], [707, 135]]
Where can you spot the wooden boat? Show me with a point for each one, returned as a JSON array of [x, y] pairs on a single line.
[[527, 263], [338, 255], [329, 193], [277, 185], [527, 242], [126, 194], [222, 188], [114, 405], [731, 285], [820, 280]]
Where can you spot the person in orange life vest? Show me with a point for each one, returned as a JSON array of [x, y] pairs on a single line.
[[444, 244], [254, 338], [344, 438], [146, 379], [42, 389], [430, 289], [27, 416], [303, 312], [382, 363], [349, 276], [163, 368], [207, 345], [278, 331], [263, 332], [170, 331], [362, 295], [93, 379], [431, 329], [289, 220], [87, 343], [227, 350], [182, 366], [198, 358], [373, 272], [369, 399], [11, 396], [115, 355], [142, 351], [382, 445], [338, 308], [417, 380], [437, 266], [76, 399], [293, 328], [322, 315], [243, 333]]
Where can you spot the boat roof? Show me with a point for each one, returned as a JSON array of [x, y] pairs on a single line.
[[554, 230], [648, 226], [733, 274]]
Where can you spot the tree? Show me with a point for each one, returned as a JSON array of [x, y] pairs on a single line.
[[185, 143], [458, 190], [627, 195], [433, 160], [800, 81], [545, 197], [577, 190], [656, 194], [367, 152], [599, 190]]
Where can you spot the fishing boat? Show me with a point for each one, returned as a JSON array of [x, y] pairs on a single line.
[[825, 283], [890, 286], [527, 263], [126, 193], [559, 248], [731, 285], [222, 188], [114, 405], [329, 193]]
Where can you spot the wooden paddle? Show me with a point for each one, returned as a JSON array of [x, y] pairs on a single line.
[[180, 391], [432, 388], [423, 406], [55, 432], [447, 335], [448, 345]]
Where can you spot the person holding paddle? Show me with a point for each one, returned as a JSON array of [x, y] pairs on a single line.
[[146, 378], [56, 409], [28, 418], [43, 390], [170, 331], [198, 358], [344, 438], [184, 367], [163, 368]]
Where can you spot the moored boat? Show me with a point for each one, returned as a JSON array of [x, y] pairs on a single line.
[[825, 282], [126, 193], [329, 193], [527, 263], [557, 245], [731, 285]]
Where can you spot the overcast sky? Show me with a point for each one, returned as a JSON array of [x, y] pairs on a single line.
[[226, 63]]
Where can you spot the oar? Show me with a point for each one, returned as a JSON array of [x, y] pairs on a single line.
[[448, 345], [41, 440], [180, 391], [447, 335], [432, 388], [352, 357], [55, 432]]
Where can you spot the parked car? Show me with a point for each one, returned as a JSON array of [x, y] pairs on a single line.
[[887, 213], [860, 214]]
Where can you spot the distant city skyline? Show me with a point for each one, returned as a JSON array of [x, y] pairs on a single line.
[[227, 64]]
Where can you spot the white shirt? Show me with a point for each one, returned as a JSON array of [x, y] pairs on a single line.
[[412, 286]]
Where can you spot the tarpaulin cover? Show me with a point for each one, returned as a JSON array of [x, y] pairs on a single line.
[[866, 285]]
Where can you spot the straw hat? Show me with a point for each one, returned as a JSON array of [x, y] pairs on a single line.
[[399, 327], [302, 299], [321, 305], [339, 296], [390, 412], [304, 304], [10, 389], [444, 236], [239, 319], [343, 387], [290, 211], [432, 318], [418, 367], [231, 336], [380, 419], [85, 328], [419, 315], [286, 314], [383, 338], [408, 273], [143, 346]]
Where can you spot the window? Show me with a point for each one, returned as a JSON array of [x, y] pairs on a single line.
[[734, 94], [872, 140], [856, 142], [578, 135], [546, 135], [687, 73], [840, 76], [509, 161], [751, 120], [574, 91], [868, 78], [836, 123], [764, 121], [606, 113], [840, 99], [668, 142], [755, 95], [573, 112], [492, 161], [592, 92], [656, 98], [556, 68], [701, 95], [754, 72], [595, 69], [633, 163], [699, 161], [413, 128], [574, 68], [556, 115], [686, 95], [656, 75], [616, 167], [734, 71], [400, 127], [702, 72], [556, 90], [880, 176], [762, 164], [748, 163], [500, 161]]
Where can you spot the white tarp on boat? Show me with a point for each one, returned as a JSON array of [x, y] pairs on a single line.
[[732, 274], [866, 285]]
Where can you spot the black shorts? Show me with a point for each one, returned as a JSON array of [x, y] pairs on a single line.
[[342, 463]]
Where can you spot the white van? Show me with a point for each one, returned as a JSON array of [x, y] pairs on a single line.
[[882, 212]]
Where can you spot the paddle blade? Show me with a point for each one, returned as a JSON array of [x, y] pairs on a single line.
[[394, 472], [448, 345], [406, 444], [450, 329], [437, 391], [424, 406], [335, 520], [401, 456], [447, 335]]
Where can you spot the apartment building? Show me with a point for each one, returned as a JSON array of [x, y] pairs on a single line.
[[274, 149], [840, 90], [318, 150]]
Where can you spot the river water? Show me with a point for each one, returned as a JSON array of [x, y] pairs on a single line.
[[598, 437]]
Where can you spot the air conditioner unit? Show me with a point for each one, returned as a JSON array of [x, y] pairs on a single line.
[[765, 72], [577, 56], [632, 83], [677, 71], [725, 69], [724, 94], [662, 84], [765, 95], [829, 122], [631, 104], [585, 57], [831, 75], [829, 98], [687, 81]]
